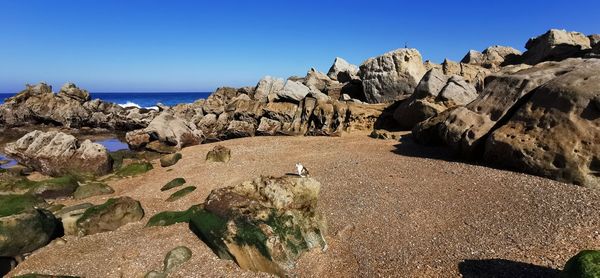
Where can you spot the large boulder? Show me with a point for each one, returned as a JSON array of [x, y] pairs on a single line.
[[586, 264], [168, 130], [473, 74], [293, 91], [268, 86], [56, 153], [492, 57], [555, 133], [435, 93], [70, 90], [24, 228], [342, 71], [555, 45], [391, 76], [264, 224], [465, 128], [317, 81]]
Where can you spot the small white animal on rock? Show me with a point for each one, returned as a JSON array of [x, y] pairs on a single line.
[[302, 171]]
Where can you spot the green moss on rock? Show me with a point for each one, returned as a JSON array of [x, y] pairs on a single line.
[[115, 212], [586, 264], [173, 183], [92, 189], [181, 193], [167, 218], [134, 169], [210, 228], [14, 203], [170, 159]]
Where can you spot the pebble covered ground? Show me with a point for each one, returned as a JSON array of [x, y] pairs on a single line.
[[394, 209]]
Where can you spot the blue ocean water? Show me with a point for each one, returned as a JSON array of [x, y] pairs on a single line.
[[142, 99]]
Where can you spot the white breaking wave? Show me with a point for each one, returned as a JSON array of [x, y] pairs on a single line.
[[130, 104]]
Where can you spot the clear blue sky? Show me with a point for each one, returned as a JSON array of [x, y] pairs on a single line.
[[146, 45]]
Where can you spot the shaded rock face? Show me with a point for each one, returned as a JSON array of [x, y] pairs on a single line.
[[435, 93], [474, 74], [293, 91], [556, 133], [555, 45], [23, 228], [71, 107], [465, 128], [392, 75], [492, 57], [56, 153], [264, 224], [167, 130], [268, 86], [342, 71], [108, 216]]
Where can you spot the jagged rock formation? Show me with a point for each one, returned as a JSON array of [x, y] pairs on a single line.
[[555, 45], [166, 131], [71, 107], [492, 57], [264, 224], [342, 71], [435, 93], [56, 153]]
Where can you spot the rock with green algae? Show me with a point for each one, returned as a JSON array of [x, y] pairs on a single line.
[[173, 183], [181, 193], [264, 224], [173, 259], [23, 226], [170, 159], [51, 188], [167, 218], [69, 216], [219, 154], [586, 264], [134, 169], [114, 213], [92, 189]]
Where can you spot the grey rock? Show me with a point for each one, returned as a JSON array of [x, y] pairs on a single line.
[[342, 71]]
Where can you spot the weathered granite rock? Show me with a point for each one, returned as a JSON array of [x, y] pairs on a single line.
[[92, 189], [170, 159], [391, 75], [473, 74], [556, 132], [586, 264], [238, 129], [69, 215], [56, 153], [317, 80], [23, 228], [465, 128], [492, 57], [435, 93], [342, 71], [167, 130], [219, 154], [555, 45], [109, 216], [71, 107], [293, 91], [268, 126], [264, 224], [594, 39], [268, 86]]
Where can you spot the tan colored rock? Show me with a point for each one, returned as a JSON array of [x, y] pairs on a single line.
[[268, 86], [55, 153], [392, 75], [556, 133], [168, 130], [555, 45], [342, 71], [492, 57]]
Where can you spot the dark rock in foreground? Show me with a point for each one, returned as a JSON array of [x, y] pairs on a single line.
[[264, 224], [586, 264]]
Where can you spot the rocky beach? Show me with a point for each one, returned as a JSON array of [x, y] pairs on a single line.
[[484, 167]]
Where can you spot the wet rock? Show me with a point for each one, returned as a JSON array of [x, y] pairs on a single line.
[[392, 75], [264, 224], [56, 153], [91, 189], [109, 216], [167, 218], [219, 154], [134, 169], [170, 159], [24, 228], [181, 193], [173, 183]]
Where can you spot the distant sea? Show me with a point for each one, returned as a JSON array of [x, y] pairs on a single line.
[[146, 100]]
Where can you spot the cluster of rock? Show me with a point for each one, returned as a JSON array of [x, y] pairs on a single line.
[[70, 107]]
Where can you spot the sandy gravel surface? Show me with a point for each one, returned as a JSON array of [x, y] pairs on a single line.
[[394, 209]]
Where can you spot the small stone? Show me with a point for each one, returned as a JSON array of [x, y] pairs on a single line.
[[174, 183], [170, 159], [181, 193], [219, 154], [176, 257]]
